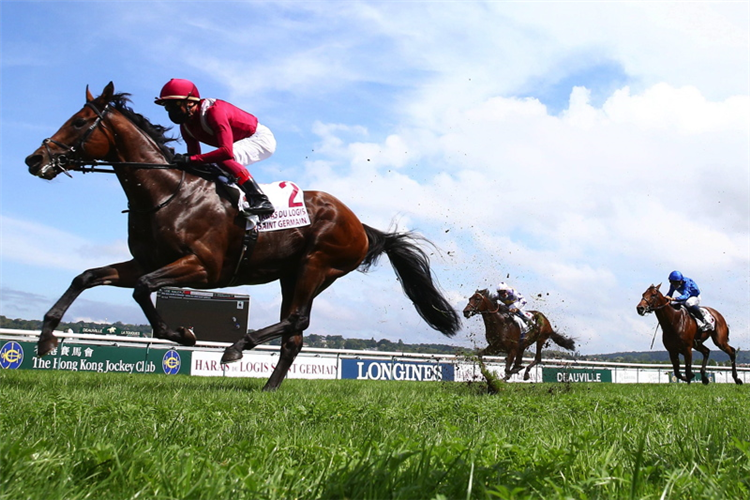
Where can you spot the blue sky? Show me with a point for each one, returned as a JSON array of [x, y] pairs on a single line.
[[582, 150]]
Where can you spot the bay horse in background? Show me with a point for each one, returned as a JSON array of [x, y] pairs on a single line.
[[503, 333], [679, 331], [182, 233]]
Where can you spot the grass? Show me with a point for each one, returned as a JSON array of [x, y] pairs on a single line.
[[74, 436]]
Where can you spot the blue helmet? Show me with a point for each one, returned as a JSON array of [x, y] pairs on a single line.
[[676, 276]]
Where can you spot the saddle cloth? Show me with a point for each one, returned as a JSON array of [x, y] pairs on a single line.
[[709, 318], [288, 201]]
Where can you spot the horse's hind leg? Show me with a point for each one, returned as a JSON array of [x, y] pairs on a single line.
[[722, 342], [122, 274], [537, 359]]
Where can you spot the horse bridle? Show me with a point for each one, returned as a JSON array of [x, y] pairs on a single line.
[[475, 309], [61, 160], [651, 308]]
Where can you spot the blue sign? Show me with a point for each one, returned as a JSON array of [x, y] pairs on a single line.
[[11, 355], [378, 369], [171, 362]]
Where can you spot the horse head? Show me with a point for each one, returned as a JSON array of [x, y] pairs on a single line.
[[651, 300], [479, 303], [85, 136]]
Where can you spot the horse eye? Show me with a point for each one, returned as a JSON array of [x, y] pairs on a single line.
[[79, 122]]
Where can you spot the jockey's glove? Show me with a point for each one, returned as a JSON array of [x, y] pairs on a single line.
[[181, 160]]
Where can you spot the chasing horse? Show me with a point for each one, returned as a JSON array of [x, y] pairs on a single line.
[[182, 232], [503, 333], [681, 334]]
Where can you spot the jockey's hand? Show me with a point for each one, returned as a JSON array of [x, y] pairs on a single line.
[[180, 160], [669, 298], [513, 310]]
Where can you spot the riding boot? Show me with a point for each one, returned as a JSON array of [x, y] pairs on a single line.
[[258, 201], [703, 325], [525, 329]]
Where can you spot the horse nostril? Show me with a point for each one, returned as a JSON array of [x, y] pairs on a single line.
[[33, 161]]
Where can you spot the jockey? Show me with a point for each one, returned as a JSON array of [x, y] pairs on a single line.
[[690, 296], [240, 139], [515, 303]]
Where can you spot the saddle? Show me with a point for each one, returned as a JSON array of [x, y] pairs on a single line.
[[710, 323]]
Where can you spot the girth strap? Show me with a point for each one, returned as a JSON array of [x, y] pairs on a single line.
[[248, 244]]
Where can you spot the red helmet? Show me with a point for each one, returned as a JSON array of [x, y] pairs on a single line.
[[177, 89]]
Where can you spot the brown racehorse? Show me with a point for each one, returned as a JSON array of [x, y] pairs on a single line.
[[678, 333], [503, 333], [183, 234]]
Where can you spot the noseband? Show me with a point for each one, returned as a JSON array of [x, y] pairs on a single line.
[[61, 160]]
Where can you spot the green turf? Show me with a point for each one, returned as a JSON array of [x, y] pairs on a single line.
[[86, 435]]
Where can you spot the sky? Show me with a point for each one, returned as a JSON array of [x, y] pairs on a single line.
[[580, 151]]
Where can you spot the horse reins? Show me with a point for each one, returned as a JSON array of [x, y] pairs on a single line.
[[60, 161]]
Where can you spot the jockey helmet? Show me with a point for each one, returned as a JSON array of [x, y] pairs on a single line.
[[503, 287], [676, 276], [178, 89]]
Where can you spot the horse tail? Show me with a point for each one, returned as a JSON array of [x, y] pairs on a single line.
[[412, 266], [563, 341]]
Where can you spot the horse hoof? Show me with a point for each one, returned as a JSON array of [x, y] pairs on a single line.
[[46, 346], [704, 380], [231, 354], [738, 381], [187, 337]]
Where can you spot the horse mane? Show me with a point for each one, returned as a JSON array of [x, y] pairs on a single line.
[[156, 132], [488, 295]]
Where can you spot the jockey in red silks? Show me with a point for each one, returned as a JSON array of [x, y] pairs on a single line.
[[239, 138]]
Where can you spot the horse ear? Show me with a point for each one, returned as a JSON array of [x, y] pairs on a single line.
[[658, 286], [108, 92], [89, 97]]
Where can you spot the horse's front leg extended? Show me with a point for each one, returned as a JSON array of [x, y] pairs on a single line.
[[123, 274], [186, 271]]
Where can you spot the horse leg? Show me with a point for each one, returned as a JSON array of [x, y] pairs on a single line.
[[674, 357], [123, 274], [510, 358], [537, 359], [297, 298], [722, 342], [706, 353], [689, 365], [186, 271]]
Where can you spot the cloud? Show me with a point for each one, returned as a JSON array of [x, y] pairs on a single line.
[[597, 198], [33, 243]]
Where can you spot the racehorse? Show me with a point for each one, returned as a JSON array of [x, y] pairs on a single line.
[[679, 330], [503, 333], [182, 233]]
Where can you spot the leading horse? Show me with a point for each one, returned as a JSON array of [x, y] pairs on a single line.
[[181, 233], [503, 333], [678, 333]]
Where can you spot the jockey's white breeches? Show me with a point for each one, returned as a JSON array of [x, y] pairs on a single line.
[[255, 148]]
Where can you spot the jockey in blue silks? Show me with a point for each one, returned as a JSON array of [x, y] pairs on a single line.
[[690, 296]]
